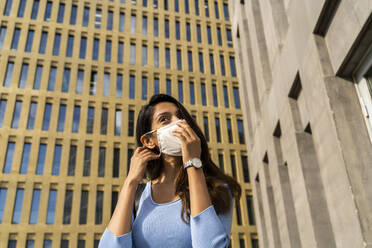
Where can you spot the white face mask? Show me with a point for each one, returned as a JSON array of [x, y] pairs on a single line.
[[168, 143]]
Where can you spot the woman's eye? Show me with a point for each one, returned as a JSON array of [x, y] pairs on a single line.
[[163, 118]]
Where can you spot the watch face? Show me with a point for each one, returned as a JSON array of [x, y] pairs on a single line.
[[197, 162]]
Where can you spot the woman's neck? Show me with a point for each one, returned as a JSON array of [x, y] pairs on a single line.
[[171, 167]]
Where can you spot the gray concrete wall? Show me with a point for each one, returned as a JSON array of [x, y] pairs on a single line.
[[313, 180]]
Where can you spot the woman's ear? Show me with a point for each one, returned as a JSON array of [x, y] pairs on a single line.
[[148, 141]]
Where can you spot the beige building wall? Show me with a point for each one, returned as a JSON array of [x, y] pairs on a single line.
[[67, 117], [305, 72]]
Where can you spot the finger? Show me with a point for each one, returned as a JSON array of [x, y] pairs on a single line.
[[179, 135], [148, 157], [188, 129], [184, 133]]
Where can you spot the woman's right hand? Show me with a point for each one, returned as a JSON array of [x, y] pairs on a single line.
[[138, 163]]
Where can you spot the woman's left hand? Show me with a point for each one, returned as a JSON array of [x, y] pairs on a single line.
[[191, 147]]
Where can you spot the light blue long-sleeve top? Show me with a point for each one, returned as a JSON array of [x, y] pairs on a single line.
[[160, 225]]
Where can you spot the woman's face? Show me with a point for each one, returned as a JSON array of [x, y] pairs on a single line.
[[165, 113]]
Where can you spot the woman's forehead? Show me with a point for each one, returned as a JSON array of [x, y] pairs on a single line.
[[164, 107]]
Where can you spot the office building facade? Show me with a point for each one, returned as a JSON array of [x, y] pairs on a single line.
[[74, 75], [305, 68]]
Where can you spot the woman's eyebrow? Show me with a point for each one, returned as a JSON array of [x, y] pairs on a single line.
[[166, 113]]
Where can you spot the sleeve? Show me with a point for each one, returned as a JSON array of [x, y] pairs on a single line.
[[211, 230], [110, 240]]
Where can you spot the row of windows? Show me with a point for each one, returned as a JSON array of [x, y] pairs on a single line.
[[86, 152], [112, 83], [61, 10], [47, 243], [74, 114]]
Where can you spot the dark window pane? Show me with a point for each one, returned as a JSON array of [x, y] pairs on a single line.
[[101, 161], [34, 213], [3, 103], [108, 50], [17, 210], [241, 131], [104, 116], [180, 91], [132, 80], [106, 84], [35, 9], [21, 8], [110, 16], [48, 11], [120, 52], [233, 166], [61, 13], [72, 160], [8, 74], [25, 158], [73, 15], [130, 123], [9, 157], [236, 97], [238, 214], [52, 78], [156, 27], [95, 49], [83, 47], [80, 82], [83, 207], [30, 39], [203, 94], [222, 63], [206, 127], [90, 120], [31, 116], [66, 79], [245, 168], [2, 36], [76, 119], [232, 66], [87, 161], [15, 40], [51, 206], [156, 57], [119, 85], [3, 192], [225, 96], [214, 93], [115, 169], [250, 207], [70, 45], [192, 93], [41, 159], [211, 62], [218, 129], [43, 42], [220, 161], [23, 77], [61, 118], [16, 114], [114, 200], [8, 7], [38, 75], [99, 207], [229, 131], [56, 160], [86, 16], [12, 243], [47, 114]]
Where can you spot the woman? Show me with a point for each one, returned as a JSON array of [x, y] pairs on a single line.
[[179, 207]]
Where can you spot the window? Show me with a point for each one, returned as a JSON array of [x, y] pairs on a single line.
[[156, 26], [144, 55], [198, 33], [31, 116], [3, 192], [56, 159], [110, 20], [16, 114], [115, 168], [30, 39], [47, 243], [188, 31], [166, 28], [51, 206], [52, 78], [155, 4], [73, 15], [9, 74], [17, 210], [130, 122], [15, 40], [9, 158], [216, 10], [236, 97], [76, 119], [93, 83], [104, 117], [48, 11], [25, 158], [206, 8], [209, 34], [101, 161], [38, 75], [144, 88], [218, 128], [108, 50], [222, 63], [67, 208], [169, 86], [61, 13], [86, 16], [226, 11], [35, 203], [8, 7], [229, 131], [35, 9], [189, 57], [3, 103], [219, 36], [144, 3], [41, 159], [245, 169], [119, 85], [251, 215], [132, 81], [203, 94], [70, 45], [187, 7], [95, 51], [43, 42], [2, 36], [117, 122], [72, 160], [232, 66], [214, 93], [99, 207], [90, 120], [197, 7], [57, 43], [177, 5], [156, 56], [133, 24], [238, 214], [12, 243], [121, 52], [156, 86], [23, 77], [87, 160], [192, 93], [66, 79], [30, 243], [21, 8], [98, 18], [229, 37], [121, 22], [233, 165], [47, 114], [180, 91], [241, 131], [132, 58], [201, 62], [79, 82], [226, 96], [167, 58], [144, 25], [211, 62], [206, 128], [114, 194], [83, 207], [178, 31], [61, 118], [83, 47], [179, 60], [106, 84], [166, 5]]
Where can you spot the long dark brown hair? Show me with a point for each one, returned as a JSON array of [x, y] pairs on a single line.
[[215, 178]]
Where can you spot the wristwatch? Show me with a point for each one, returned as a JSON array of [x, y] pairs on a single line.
[[196, 162]]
